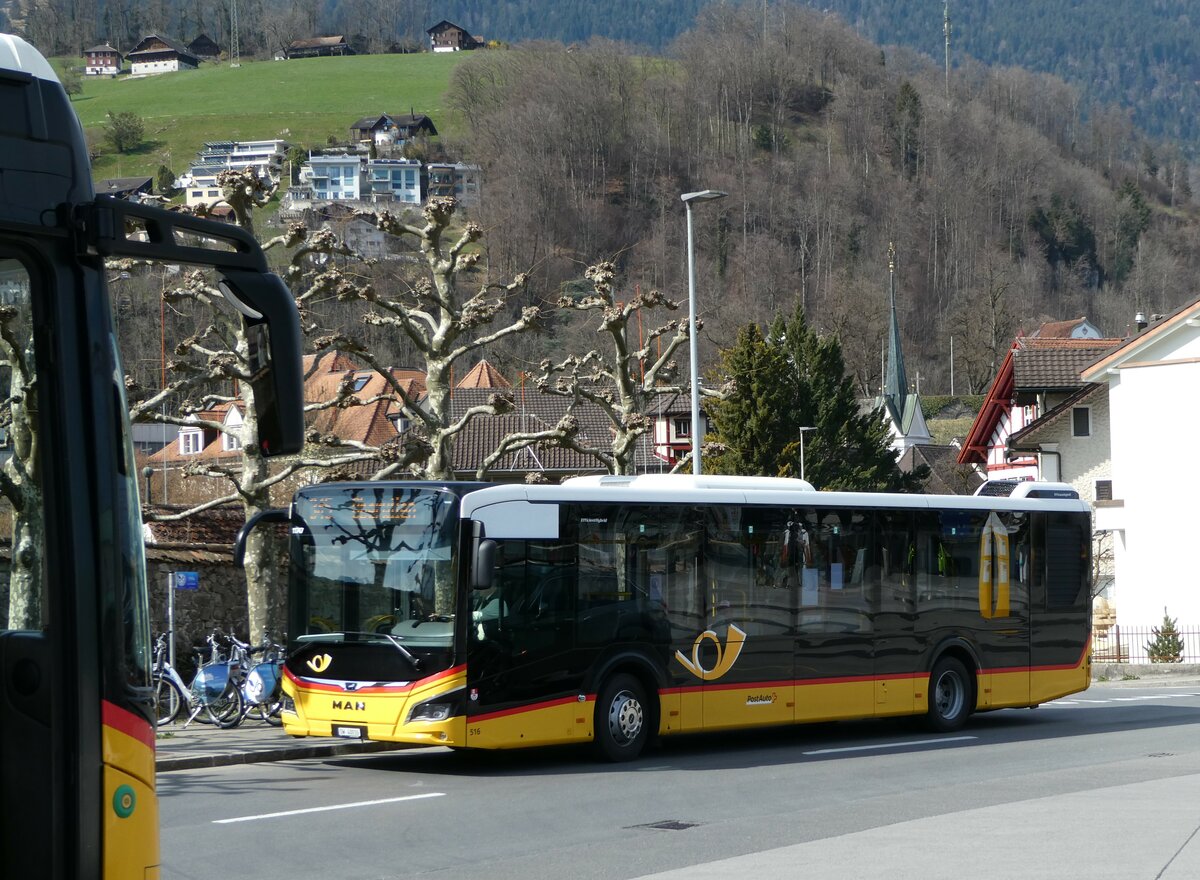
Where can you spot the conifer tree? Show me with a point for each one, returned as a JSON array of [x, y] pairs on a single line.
[[1166, 646], [792, 378]]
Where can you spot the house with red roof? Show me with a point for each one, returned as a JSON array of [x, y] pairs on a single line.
[[1038, 377]]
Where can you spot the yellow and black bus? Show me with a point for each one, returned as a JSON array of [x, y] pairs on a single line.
[[617, 609], [77, 796]]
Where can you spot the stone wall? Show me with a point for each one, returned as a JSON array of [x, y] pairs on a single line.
[[219, 601]]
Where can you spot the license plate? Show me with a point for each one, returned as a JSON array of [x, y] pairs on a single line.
[[346, 731]]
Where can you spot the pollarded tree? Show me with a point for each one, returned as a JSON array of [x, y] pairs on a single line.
[[616, 382], [446, 321], [800, 377], [216, 359]]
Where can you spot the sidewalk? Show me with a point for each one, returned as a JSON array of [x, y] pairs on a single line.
[[203, 745]]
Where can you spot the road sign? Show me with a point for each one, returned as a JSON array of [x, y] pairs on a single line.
[[186, 580]]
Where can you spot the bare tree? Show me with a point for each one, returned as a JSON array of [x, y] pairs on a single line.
[[624, 383], [216, 359], [445, 321]]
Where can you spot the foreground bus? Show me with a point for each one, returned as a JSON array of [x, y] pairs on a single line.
[[617, 609], [77, 795]]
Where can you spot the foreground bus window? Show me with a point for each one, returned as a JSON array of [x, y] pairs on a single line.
[[21, 510], [613, 612]]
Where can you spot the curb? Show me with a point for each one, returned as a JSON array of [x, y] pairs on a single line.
[[167, 763]]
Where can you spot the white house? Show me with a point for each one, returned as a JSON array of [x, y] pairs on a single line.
[[394, 180], [200, 183], [332, 178], [1153, 387]]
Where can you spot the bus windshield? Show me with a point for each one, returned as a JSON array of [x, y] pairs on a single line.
[[374, 562]]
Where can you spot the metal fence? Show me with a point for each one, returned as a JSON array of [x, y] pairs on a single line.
[[1127, 644]]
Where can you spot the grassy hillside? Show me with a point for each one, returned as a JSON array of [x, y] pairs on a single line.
[[310, 99]]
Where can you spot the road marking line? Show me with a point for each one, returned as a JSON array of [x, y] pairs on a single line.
[[892, 745], [411, 797]]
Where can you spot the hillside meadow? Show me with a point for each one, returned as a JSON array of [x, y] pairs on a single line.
[[305, 101]]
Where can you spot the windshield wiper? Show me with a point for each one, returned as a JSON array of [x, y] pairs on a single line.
[[370, 636]]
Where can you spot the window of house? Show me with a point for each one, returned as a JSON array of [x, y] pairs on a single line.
[[197, 193], [231, 441], [1104, 490], [212, 193], [190, 442], [360, 382], [1081, 421], [683, 427]]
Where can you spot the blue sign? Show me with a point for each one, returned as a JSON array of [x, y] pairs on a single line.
[[186, 580]]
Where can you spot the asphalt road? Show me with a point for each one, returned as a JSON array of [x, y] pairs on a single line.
[[1106, 784]]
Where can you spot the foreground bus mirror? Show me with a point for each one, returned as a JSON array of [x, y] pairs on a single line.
[[483, 566], [273, 514], [276, 376]]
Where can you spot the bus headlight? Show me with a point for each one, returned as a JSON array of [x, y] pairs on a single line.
[[430, 712]]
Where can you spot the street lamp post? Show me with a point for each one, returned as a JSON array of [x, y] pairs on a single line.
[[688, 198], [802, 430]]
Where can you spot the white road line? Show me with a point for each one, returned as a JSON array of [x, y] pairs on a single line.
[[411, 797], [892, 745]]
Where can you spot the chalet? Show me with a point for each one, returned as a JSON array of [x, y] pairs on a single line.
[[129, 188], [205, 48], [159, 54], [391, 129], [102, 61], [446, 36], [1038, 373], [318, 47]]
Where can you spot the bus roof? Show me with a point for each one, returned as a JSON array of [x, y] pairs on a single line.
[[16, 54], [681, 489]]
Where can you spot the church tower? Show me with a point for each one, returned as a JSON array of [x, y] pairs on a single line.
[[901, 405]]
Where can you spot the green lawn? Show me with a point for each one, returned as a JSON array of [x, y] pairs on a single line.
[[303, 101]]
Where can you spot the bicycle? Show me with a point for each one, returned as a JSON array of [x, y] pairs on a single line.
[[260, 682], [213, 693]]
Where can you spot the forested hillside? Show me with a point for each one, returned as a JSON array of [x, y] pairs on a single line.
[[1143, 56], [1009, 203]]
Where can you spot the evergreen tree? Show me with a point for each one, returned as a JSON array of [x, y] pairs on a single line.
[[792, 378], [1166, 646]]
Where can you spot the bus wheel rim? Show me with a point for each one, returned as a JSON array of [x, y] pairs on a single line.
[[625, 718], [948, 695]]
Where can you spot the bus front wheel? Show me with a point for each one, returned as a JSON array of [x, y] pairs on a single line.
[[622, 719], [949, 696]]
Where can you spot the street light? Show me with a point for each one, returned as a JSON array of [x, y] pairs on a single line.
[[802, 430], [702, 196]]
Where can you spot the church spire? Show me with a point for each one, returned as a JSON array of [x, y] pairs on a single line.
[[895, 388]]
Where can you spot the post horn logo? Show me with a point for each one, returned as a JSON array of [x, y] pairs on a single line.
[[727, 654], [320, 663]]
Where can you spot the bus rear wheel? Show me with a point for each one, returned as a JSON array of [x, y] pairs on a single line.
[[622, 719], [949, 696]]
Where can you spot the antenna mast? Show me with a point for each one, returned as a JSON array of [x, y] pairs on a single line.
[[946, 31], [235, 55]]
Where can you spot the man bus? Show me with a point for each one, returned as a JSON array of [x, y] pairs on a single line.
[[77, 796], [630, 608]]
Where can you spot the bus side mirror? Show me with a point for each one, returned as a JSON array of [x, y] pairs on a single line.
[[271, 514], [276, 376], [483, 566]]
